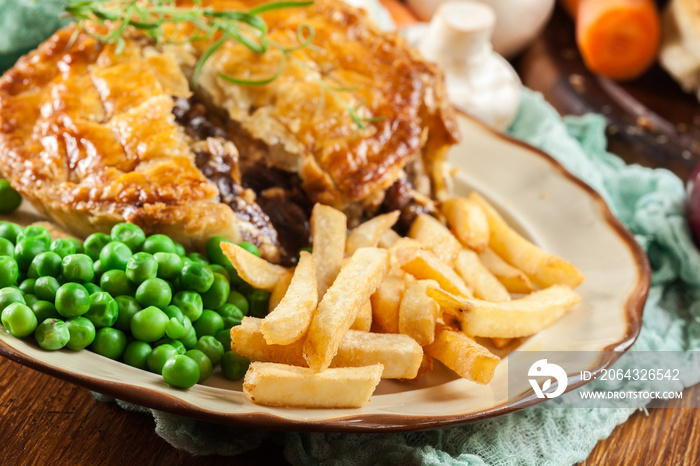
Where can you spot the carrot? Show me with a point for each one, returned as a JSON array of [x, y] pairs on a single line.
[[400, 13], [617, 38]]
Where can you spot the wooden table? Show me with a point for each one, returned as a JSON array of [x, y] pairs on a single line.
[[44, 420]]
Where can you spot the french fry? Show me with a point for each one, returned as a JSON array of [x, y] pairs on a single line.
[[388, 238], [426, 365], [386, 301], [435, 237], [272, 384], [363, 321], [290, 320], [279, 290], [509, 319], [485, 285], [544, 269], [419, 312], [424, 265], [463, 355], [368, 234], [247, 340], [467, 222], [400, 354], [252, 269], [338, 309], [513, 279], [328, 232]]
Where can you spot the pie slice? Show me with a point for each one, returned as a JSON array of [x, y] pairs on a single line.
[[359, 121]]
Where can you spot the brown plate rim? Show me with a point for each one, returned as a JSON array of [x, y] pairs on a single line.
[[157, 400]]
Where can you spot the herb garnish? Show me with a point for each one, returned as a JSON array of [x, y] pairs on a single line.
[[245, 27]]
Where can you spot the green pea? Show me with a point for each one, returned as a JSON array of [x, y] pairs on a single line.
[[224, 337], [136, 354], [44, 310], [209, 323], [46, 287], [204, 363], [141, 266], [217, 256], [180, 250], [99, 271], [9, 198], [36, 232], [94, 243], [52, 334], [26, 250], [174, 286], [189, 340], [19, 320], [129, 234], [149, 324], [181, 372], [159, 356], [27, 286], [178, 324], [66, 246], [116, 283], [7, 248], [231, 315], [237, 299], [115, 255], [9, 231], [197, 277], [190, 303], [212, 347], [82, 333], [233, 366], [154, 292], [77, 268], [214, 252], [10, 295], [259, 300], [46, 264], [158, 243], [127, 306], [72, 300], [169, 265], [216, 268], [109, 342], [103, 310], [199, 258], [250, 247], [92, 288], [217, 294], [177, 344], [30, 299]]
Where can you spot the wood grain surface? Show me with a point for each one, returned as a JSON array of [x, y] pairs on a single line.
[[44, 420]]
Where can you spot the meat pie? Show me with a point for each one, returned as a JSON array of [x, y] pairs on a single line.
[[359, 121]]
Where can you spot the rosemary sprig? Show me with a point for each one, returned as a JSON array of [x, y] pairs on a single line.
[[245, 27], [151, 16]]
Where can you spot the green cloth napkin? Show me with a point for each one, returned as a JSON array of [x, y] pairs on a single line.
[[649, 202], [25, 24]]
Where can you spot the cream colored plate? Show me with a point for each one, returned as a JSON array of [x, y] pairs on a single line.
[[553, 208]]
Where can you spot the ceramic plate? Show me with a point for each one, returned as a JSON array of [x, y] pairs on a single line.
[[546, 203]]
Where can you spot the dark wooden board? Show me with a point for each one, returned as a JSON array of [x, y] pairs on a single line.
[[651, 120]]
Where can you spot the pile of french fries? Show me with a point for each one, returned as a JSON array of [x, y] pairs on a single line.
[[372, 304]]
